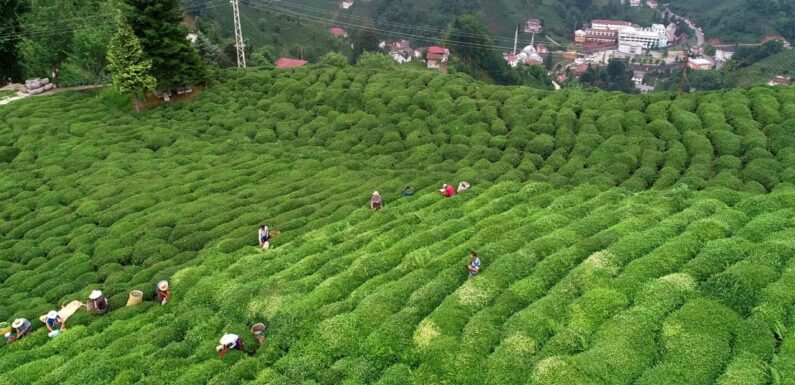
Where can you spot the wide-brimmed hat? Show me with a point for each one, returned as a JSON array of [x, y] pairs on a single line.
[[52, 314], [219, 348], [228, 339], [444, 185], [162, 285], [17, 323], [95, 294], [376, 193]]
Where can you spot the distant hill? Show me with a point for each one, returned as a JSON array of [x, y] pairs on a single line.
[[422, 22], [740, 20], [782, 63]]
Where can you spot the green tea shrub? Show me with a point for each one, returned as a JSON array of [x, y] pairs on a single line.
[[739, 286]]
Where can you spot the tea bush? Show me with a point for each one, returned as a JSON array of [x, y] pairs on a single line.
[[624, 238]]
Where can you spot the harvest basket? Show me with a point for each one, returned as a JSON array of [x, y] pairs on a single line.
[[136, 297]]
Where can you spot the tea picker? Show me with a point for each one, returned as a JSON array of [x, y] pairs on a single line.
[[375, 201], [229, 342], [258, 330], [54, 323], [474, 264], [20, 326], [162, 293], [97, 303], [263, 235]]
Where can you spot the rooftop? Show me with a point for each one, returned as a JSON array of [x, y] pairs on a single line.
[[289, 63]]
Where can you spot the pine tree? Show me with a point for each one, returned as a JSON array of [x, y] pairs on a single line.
[[10, 14], [129, 68], [158, 25]]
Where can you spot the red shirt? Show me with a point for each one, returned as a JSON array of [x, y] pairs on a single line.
[[449, 191]]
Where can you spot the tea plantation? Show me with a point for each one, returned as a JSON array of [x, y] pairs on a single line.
[[625, 239]]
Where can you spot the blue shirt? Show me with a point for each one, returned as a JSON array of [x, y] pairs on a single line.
[[476, 263], [51, 322]]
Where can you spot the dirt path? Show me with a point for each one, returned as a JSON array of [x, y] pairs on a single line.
[[52, 92]]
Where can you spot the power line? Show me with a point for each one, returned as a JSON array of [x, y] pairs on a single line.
[[369, 20], [98, 21], [239, 45], [387, 32]]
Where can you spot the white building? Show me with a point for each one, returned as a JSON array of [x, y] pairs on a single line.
[[613, 25], [346, 4], [635, 40]]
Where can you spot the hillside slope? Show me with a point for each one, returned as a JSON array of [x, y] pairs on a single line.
[[626, 239]]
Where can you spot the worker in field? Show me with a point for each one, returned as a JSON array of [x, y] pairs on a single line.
[[408, 191], [375, 201], [264, 237], [474, 264], [54, 322], [229, 342], [463, 186], [21, 327], [162, 293], [97, 303], [447, 190]]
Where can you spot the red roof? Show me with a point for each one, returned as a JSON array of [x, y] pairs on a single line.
[[437, 50], [289, 63], [338, 32]]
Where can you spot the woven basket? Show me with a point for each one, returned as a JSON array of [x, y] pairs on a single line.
[[136, 296]]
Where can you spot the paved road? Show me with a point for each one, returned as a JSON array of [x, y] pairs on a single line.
[[699, 32]]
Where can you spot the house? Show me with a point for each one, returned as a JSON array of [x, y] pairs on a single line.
[[635, 40], [779, 80], [400, 58], [435, 56], [579, 36], [637, 77], [670, 33], [652, 4], [613, 25], [346, 4], [192, 37], [532, 26], [542, 49], [644, 89], [579, 69], [634, 3], [699, 64], [289, 63], [561, 78], [338, 32], [512, 60]]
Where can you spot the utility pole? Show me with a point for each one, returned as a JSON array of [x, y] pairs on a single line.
[[515, 39], [239, 46], [684, 74]]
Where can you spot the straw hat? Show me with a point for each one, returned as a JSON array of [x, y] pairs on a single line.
[[376, 193], [162, 285], [17, 323], [52, 314], [95, 294], [228, 339]]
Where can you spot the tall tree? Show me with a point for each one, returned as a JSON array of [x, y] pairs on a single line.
[[366, 40], [45, 51], [471, 52], [10, 13], [129, 68], [158, 25]]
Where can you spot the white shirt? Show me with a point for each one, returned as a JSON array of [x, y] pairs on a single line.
[[229, 339]]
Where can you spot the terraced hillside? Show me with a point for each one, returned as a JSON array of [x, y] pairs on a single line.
[[625, 239]]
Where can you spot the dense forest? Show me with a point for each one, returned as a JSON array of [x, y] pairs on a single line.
[[741, 20]]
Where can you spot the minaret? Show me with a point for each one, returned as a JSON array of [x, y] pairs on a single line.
[[515, 39]]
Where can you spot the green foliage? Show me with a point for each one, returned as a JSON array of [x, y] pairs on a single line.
[[619, 241], [131, 73], [158, 26]]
